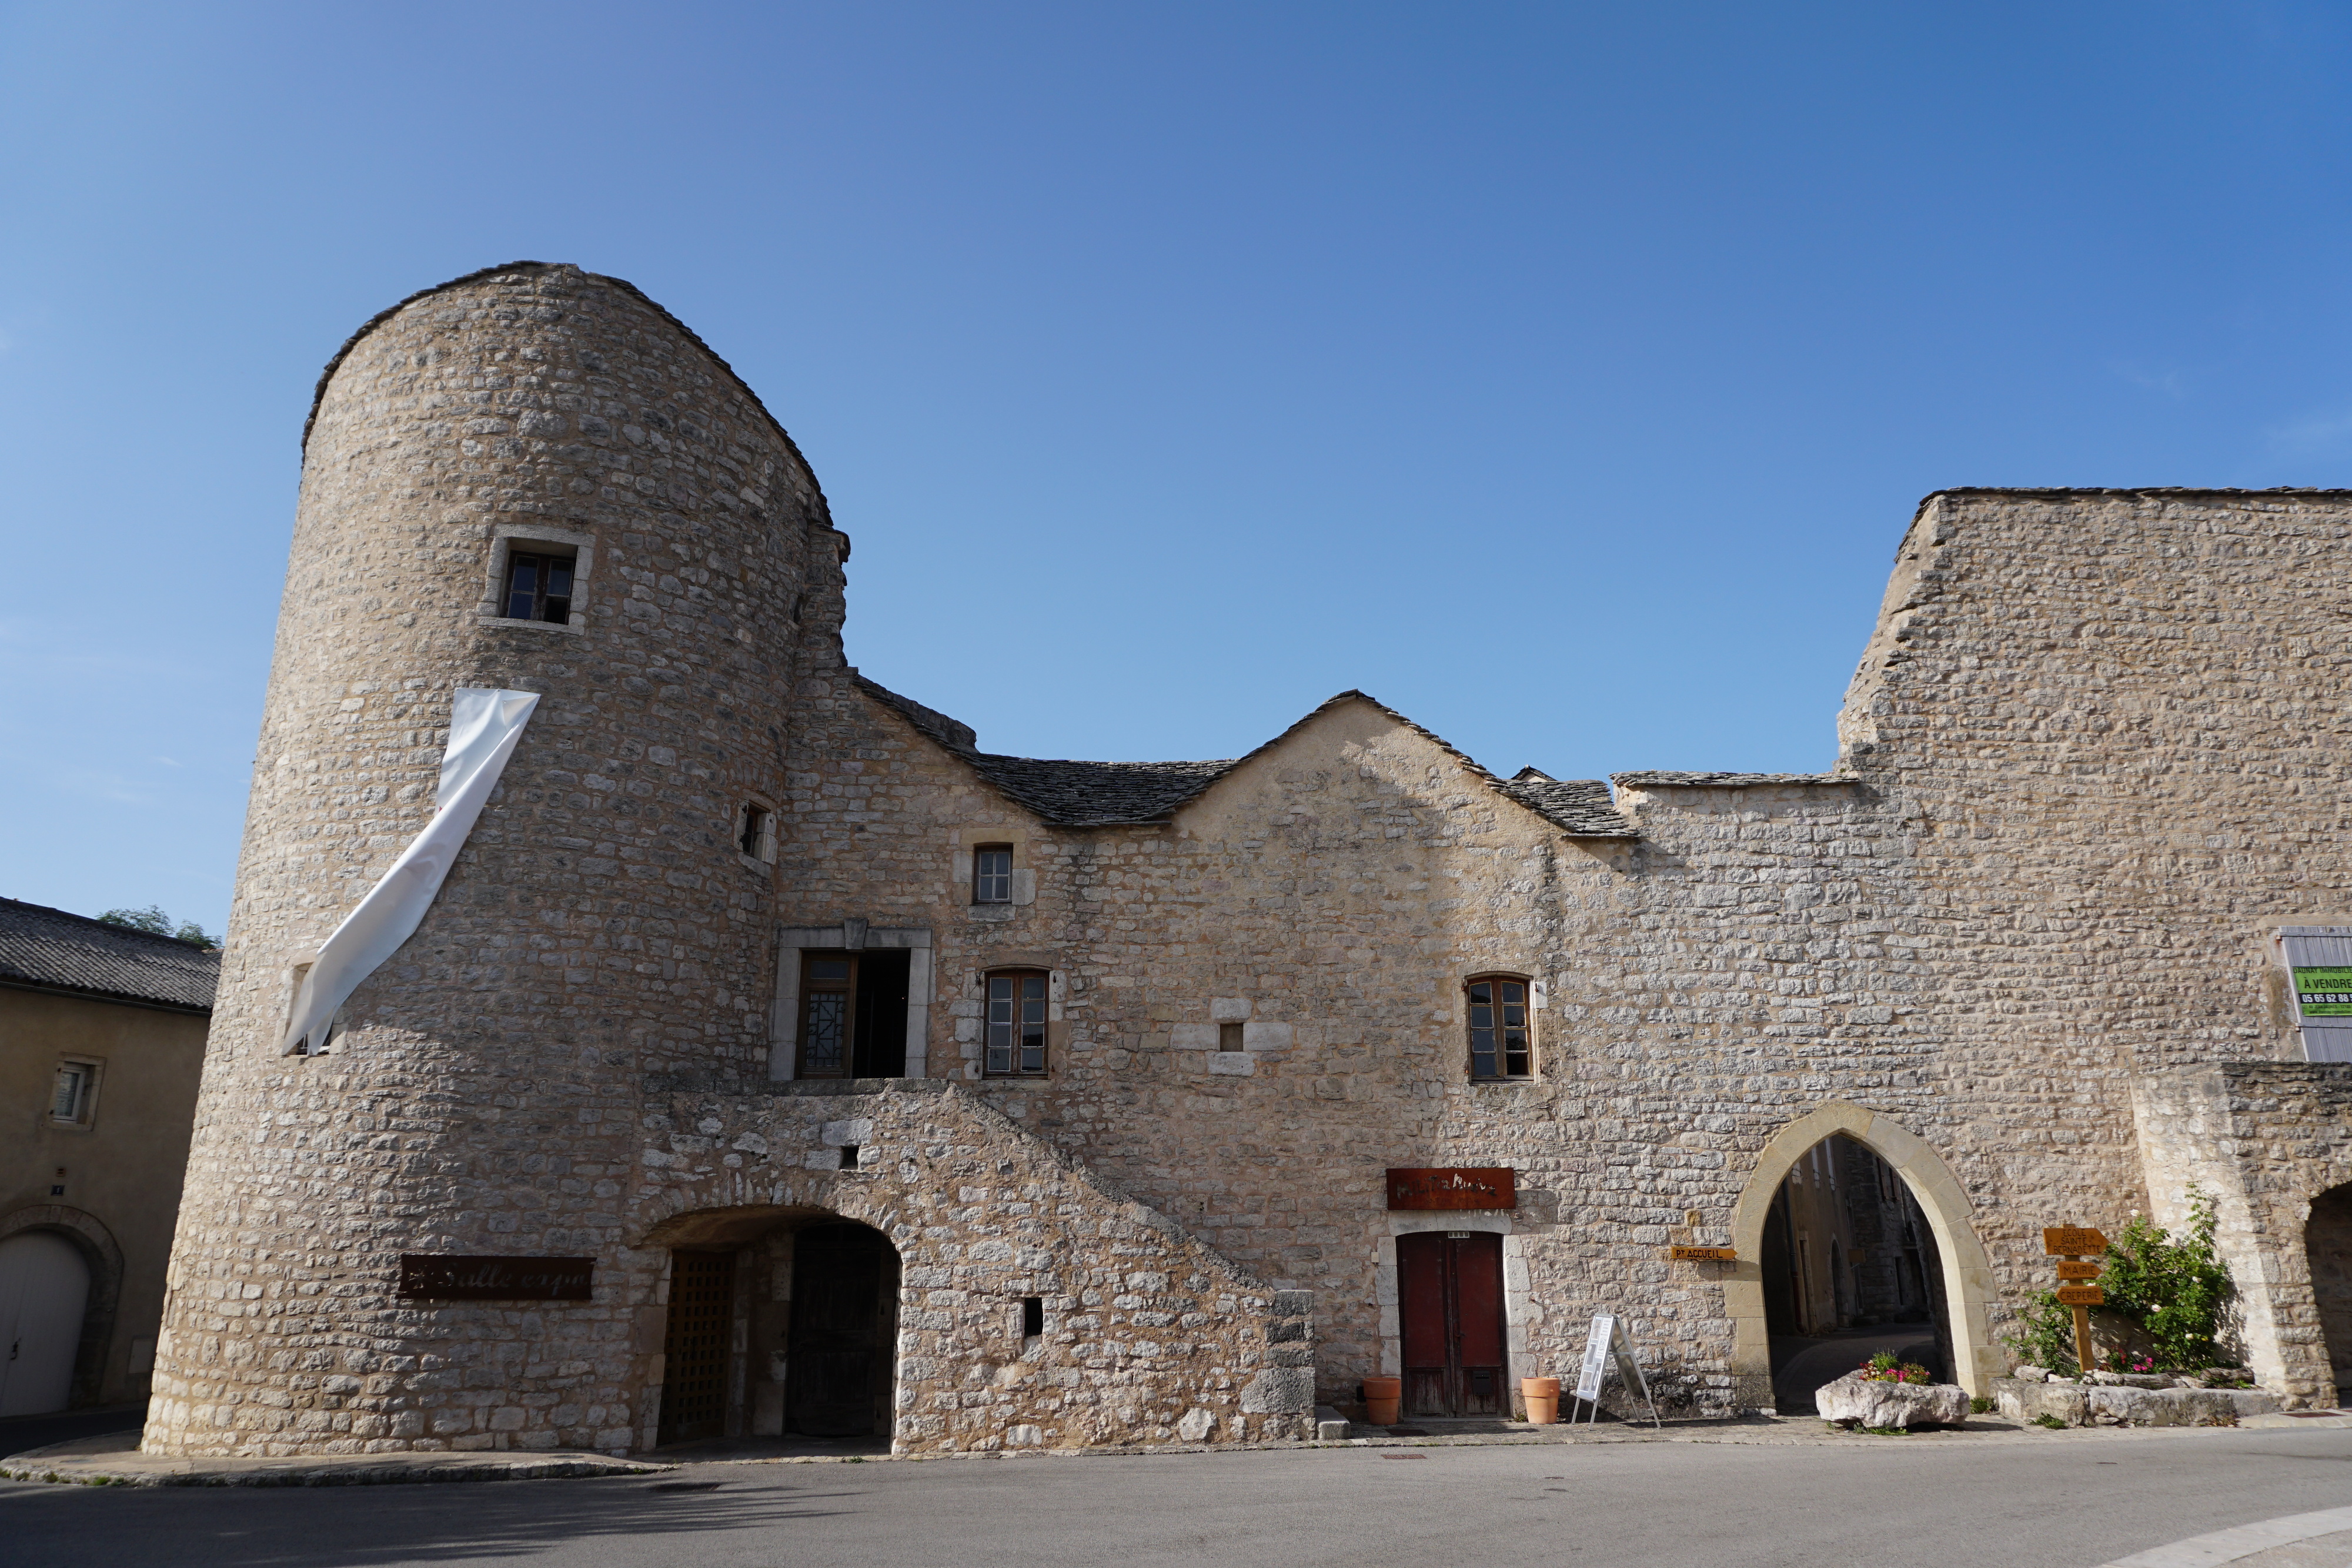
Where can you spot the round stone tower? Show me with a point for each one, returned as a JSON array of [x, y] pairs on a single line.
[[604, 936]]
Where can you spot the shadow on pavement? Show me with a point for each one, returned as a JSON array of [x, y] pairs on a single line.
[[1802, 1364], [18, 1433]]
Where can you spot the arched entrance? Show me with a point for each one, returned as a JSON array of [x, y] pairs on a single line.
[[782, 1322], [1783, 1280], [1849, 1270], [44, 1291], [2327, 1244]]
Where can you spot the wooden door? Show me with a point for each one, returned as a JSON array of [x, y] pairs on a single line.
[[1450, 1298], [43, 1286], [695, 1348], [845, 1315]]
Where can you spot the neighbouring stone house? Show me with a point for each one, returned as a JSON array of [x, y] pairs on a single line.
[[857, 1078]]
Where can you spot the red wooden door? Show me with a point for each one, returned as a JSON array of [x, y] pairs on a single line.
[[1450, 1301]]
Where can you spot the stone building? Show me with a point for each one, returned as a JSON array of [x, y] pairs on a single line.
[[101, 1044], [848, 1076]]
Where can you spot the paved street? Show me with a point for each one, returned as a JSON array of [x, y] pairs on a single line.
[[2049, 1500]]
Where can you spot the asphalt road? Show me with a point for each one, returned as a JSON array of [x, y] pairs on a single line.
[[2051, 1501]]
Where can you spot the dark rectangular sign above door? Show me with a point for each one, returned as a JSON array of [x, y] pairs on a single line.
[[1470, 1187], [463, 1277]]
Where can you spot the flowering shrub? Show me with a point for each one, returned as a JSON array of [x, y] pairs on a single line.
[[2117, 1363], [1883, 1368], [2172, 1288]]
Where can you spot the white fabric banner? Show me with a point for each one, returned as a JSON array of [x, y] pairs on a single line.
[[483, 726]]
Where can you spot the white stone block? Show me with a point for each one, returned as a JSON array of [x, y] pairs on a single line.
[[860, 1131], [1238, 1062], [1193, 1036], [1229, 1010], [1265, 1036]]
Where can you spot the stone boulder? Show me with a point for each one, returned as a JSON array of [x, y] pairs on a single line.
[[1854, 1400]]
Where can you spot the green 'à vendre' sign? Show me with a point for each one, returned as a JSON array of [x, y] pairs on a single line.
[[2324, 992]]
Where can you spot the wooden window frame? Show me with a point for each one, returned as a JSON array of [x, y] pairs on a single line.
[[981, 878], [1015, 1024], [812, 987], [1498, 1030], [85, 1109], [755, 831], [542, 599]]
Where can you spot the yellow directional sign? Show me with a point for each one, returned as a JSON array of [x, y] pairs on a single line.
[[2082, 1296], [2069, 1270], [2072, 1241], [1703, 1255]]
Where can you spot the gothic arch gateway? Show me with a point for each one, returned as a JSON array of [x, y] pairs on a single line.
[[1967, 1273]]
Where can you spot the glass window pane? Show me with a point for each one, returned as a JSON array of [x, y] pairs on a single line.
[[559, 577], [828, 969], [1482, 1062], [824, 1034], [1514, 993]]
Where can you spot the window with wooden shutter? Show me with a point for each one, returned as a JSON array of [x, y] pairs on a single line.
[[1499, 1042], [2318, 960]]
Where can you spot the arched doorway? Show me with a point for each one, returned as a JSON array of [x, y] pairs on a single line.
[[2327, 1244], [1782, 1281], [44, 1291], [782, 1323], [1849, 1269]]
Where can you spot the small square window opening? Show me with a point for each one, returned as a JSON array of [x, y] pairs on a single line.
[[1033, 1316], [539, 587], [992, 873], [849, 1156], [758, 836], [1229, 1037], [72, 1091], [1016, 1025]]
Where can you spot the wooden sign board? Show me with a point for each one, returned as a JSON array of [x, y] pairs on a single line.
[[2072, 1241], [1494, 1187], [2086, 1269], [2081, 1296], [461, 1277], [1702, 1254]]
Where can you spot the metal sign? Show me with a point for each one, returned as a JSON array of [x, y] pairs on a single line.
[[461, 1277], [1703, 1254], [1444, 1187], [2071, 1240], [1605, 1345], [2323, 991]]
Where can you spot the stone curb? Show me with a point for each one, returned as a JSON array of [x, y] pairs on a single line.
[[85, 1462]]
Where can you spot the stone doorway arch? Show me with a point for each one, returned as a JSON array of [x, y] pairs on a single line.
[[1967, 1271], [2327, 1246]]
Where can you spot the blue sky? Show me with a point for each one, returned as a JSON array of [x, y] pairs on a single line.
[[1562, 375]]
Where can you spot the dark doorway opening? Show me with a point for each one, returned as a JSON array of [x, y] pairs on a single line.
[[843, 1332], [1450, 1307], [695, 1347], [1849, 1268], [2327, 1243], [854, 1014]]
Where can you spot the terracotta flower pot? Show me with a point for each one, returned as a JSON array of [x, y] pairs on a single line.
[[1542, 1397], [1383, 1397]]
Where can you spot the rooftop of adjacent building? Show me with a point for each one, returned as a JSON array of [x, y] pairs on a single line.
[[47, 949]]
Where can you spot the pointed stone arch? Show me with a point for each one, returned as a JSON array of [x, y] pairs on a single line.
[[1967, 1271]]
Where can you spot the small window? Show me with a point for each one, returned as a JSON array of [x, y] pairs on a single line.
[[1033, 1316], [1016, 1024], [849, 1156], [1230, 1036], [757, 837], [1498, 1028], [992, 873], [73, 1095], [539, 587]]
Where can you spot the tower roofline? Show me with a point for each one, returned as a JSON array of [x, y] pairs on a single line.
[[319, 392]]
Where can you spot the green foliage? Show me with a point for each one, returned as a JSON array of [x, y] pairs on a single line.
[[153, 921], [2175, 1289], [1981, 1404], [2052, 1422]]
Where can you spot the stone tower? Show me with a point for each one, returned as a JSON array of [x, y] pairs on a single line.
[[591, 944]]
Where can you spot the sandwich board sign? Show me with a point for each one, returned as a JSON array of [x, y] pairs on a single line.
[[1607, 1344]]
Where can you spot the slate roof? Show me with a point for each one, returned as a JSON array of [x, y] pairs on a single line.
[[1120, 794], [1667, 780], [60, 952]]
